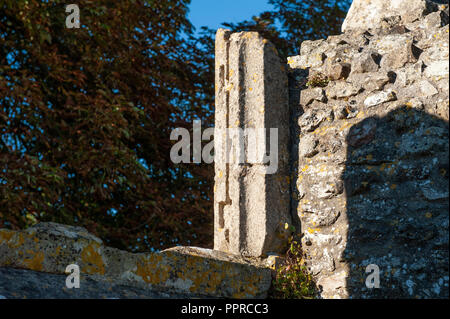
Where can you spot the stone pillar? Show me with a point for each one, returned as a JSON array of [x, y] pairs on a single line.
[[251, 199]]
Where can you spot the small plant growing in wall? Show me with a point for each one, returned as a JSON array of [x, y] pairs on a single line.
[[317, 80], [292, 280]]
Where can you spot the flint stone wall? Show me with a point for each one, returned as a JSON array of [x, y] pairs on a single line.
[[371, 178]]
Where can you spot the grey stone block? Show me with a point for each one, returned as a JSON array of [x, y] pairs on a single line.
[[251, 200]]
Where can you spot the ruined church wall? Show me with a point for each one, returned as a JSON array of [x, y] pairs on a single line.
[[369, 117]]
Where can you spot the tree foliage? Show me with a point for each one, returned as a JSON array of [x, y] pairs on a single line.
[[86, 114], [294, 21]]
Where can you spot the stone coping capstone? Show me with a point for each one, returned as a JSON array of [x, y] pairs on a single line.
[[51, 247]]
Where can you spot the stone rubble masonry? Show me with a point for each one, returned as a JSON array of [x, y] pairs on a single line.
[[373, 154], [368, 14], [251, 204], [179, 271]]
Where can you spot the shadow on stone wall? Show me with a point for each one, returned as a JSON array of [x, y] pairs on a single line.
[[396, 186], [297, 78]]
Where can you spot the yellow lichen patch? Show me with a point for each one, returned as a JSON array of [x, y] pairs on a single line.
[[5, 235], [304, 168], [248, 291], [201, 277], [193, 262], [18, 241], [152, 270], [35, 262], [345, 126], [324, 130], [93, 260], [321, 130], [304, 201], [428, 215], [249, 35], [57, 251], [313, 230]]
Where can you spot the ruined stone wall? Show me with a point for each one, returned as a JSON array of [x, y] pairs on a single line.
[[363, 160], [370, 111]]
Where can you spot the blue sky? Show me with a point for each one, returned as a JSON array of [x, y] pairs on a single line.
[[212, 13]]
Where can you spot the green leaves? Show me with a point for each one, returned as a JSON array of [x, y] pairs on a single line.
[[294, 21], [292, 280]]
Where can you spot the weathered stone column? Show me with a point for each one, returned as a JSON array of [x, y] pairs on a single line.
[[251, 200]]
